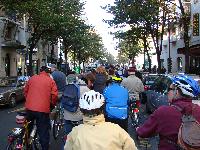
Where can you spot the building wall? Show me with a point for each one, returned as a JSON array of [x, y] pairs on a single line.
[[195, 9], [18, 55], [179, 43]]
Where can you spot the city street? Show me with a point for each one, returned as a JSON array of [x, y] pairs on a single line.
[[7, 116]]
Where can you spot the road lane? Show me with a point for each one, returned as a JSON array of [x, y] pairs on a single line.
[[7, 116]]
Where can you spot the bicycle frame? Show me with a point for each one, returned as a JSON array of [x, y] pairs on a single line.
[[21, 136], [57, 122]]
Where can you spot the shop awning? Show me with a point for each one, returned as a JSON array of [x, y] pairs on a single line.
[[193, 51], [13, 44]]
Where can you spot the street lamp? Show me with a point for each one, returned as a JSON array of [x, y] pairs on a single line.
[[169, 60]]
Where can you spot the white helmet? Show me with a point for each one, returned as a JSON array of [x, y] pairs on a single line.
[[91, 100]]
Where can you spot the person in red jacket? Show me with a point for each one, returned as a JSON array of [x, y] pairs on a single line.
[[166, 120], [40, 92]]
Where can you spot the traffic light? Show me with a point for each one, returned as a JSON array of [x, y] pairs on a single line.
[[169, 62]]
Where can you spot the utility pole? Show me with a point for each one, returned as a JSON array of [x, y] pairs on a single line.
[[169, 60]]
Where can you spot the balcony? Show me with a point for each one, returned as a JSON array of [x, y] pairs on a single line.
[[12, 44], [12, 35]]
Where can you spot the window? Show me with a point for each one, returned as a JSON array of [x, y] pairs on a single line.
[[195, 1], [180, 64], [8, 33], [196, 24]]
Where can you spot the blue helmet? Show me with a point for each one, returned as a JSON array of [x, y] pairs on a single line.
[[187, 85]]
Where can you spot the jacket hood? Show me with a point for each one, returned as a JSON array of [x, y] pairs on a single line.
[[94, 120]]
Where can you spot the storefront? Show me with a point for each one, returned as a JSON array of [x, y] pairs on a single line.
[[194, 53]]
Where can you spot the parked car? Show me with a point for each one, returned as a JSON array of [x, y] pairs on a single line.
[[11, 90], [148, 80], [157, 95]]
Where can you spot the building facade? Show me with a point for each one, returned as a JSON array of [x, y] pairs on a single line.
[[173, 43], [14, 34]]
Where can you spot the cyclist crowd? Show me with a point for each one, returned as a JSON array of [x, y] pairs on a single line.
[[103, 106]]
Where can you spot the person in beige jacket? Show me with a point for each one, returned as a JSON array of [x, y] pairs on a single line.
[[95, 133], [133, 83]]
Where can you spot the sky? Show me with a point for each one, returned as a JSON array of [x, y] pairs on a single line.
[[95, 15]]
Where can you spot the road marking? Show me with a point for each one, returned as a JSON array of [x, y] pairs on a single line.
[[16, 110]]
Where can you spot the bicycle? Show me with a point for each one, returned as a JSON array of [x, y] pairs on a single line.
[[20, 139], [57, 121], [134, 110]]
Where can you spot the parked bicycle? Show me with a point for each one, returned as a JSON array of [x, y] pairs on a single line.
[[20, 138], [57, 120]]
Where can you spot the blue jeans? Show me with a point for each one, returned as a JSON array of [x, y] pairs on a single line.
[[68, 128], [68, 125], [43, 126]]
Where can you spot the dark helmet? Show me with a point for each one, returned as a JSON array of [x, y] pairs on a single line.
[[46, 69]]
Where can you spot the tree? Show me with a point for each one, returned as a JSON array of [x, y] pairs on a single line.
[[47, 20], [122, 58], [143, 15], [90, 46]]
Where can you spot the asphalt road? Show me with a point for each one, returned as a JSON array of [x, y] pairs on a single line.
[[7, 123]]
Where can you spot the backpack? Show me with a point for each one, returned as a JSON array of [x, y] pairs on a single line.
[[70, 97], [189, 132]]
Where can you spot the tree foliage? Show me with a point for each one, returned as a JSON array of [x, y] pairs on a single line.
[[147, 17], [49, 20]]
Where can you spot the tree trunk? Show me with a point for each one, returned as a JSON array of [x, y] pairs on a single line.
[[149, 60], [52, 53], [30, 65], [186, 23]]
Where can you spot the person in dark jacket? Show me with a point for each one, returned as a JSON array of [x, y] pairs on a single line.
[[166, 120], [100, 79], [59, 77]]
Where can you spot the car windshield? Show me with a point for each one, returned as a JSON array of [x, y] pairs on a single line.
[[150, 80], [7, 82]]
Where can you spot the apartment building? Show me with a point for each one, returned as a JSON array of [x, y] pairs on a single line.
[[173, 42], [14, 48]]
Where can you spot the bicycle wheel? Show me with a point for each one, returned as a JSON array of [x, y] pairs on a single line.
[[56, 128], [57, 122], [134, 119], [35, 145]]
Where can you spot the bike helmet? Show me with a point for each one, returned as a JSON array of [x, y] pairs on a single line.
[[187, 85], [91, 100], [116, 79], [47, 69]]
